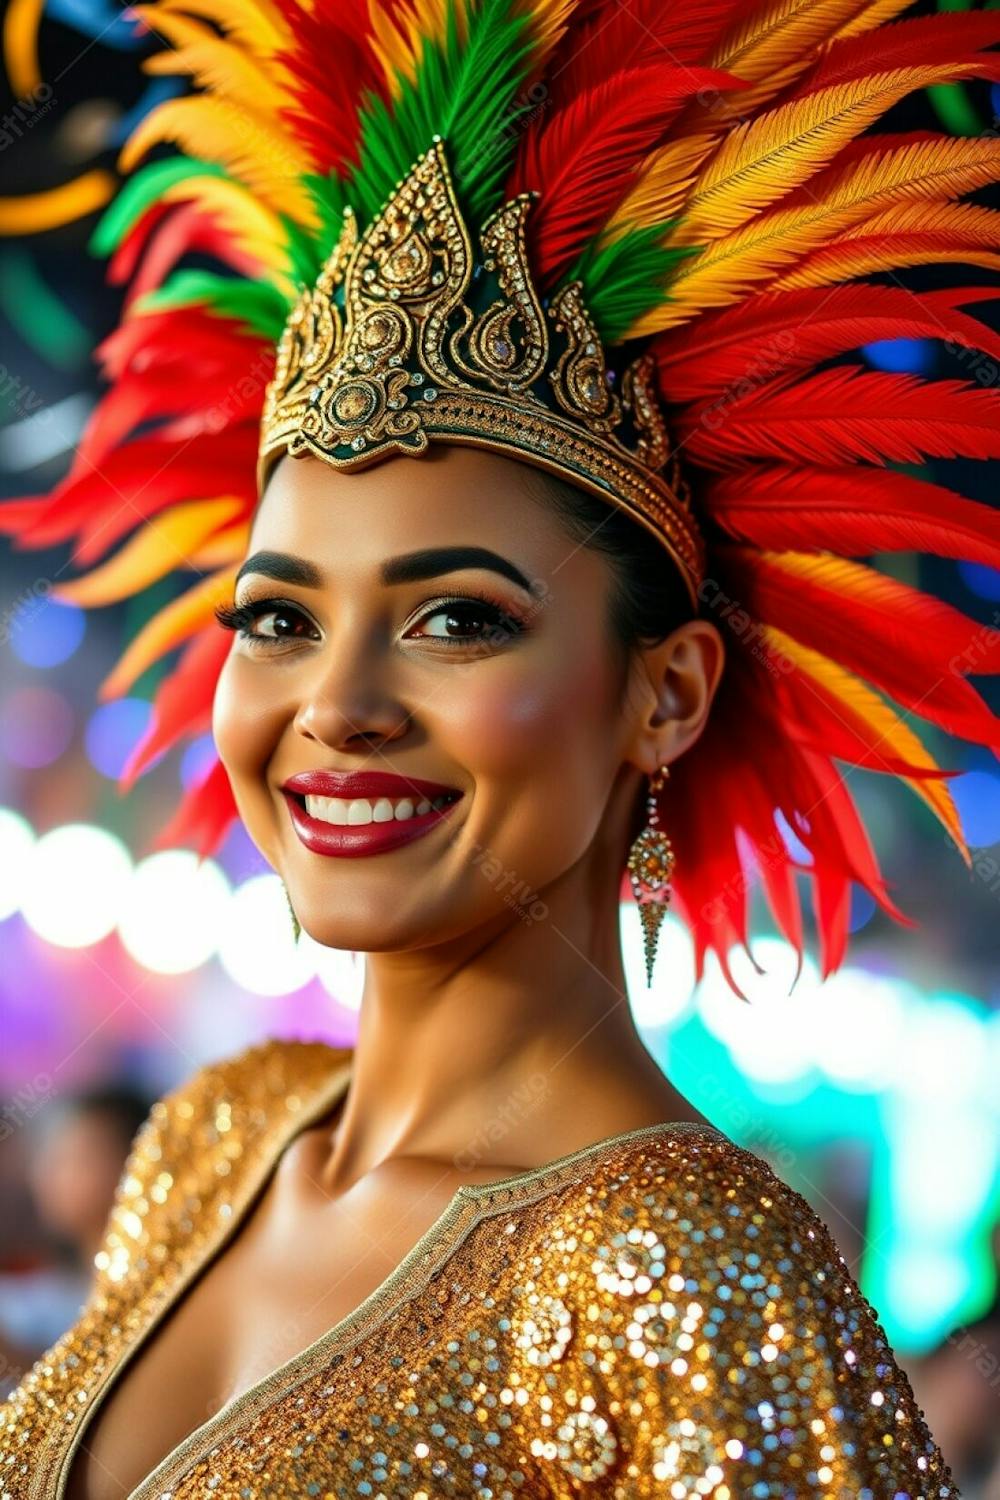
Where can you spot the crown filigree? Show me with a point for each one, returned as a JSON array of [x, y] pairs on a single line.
[[408, 336]]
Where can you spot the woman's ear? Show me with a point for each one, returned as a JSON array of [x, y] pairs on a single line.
[[679, 678]]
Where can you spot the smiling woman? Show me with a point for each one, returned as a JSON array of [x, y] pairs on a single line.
[[524, 586]]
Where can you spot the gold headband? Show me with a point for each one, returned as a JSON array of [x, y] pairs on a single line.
[[407, 337]]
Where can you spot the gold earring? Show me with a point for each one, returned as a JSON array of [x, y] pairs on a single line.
[[650, 866], [296, 924]]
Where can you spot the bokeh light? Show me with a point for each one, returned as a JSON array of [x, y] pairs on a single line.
[[172, 911], [981, 580], [16, 841], [36, 727], [74, 881], [977, 797], [45, 632], [113, 730], [256, 945], [900, 354], [197, 760]]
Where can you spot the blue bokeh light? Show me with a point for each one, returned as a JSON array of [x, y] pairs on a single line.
[[197, 761], [977, 797], [113, 731], [980, 579], [914, 355], [43, 632], [863, 908]]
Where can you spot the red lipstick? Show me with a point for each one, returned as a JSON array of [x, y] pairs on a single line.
[[354, 839]]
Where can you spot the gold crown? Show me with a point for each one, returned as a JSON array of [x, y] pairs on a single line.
[[407, 337]]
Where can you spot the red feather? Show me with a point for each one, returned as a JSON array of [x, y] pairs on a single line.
[[579, 160], [136, 481], [189, 228], [204, 816], [780, 332], [846, 413], [183, 702], [332, 68], [632, 35], [914, 647], [907, 44], [851, 511]]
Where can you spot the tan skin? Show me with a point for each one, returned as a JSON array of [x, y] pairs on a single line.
[[550, 735]]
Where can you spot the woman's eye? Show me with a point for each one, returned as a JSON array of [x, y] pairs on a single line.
[[264, 620], [462, 620]]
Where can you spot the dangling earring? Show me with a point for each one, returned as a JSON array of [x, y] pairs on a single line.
[[296, 924], [650, 866]]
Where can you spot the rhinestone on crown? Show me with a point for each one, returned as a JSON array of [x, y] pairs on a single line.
[[409, 336]]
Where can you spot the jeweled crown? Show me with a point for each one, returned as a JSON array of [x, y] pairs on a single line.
[[410, 335]]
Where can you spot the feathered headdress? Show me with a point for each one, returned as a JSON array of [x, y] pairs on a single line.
[[697, 183]]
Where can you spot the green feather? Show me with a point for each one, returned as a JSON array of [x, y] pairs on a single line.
[[464, 92], [257, 304], [139, 192], [627, 278]]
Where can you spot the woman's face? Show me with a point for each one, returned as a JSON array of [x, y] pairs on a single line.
[[447, 631]]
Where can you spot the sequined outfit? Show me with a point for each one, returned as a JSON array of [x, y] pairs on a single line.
[[655, 1314]]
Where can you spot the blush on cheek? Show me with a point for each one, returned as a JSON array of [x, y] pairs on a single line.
[[246, 734]]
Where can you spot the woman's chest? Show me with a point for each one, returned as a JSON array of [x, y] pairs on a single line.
[[294, 1272]]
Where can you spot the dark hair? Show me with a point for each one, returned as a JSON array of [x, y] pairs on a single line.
[[649, 599]]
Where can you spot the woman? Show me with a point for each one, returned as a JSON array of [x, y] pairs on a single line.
[[483, 652]]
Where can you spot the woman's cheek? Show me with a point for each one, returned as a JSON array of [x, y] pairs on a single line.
[[246, 730]]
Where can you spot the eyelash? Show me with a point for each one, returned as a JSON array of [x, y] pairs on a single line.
[[240, 617]]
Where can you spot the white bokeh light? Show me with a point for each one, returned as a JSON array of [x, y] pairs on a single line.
[[17, 838], [342, 973], [173, 910], [772, 1038], [74, 881], [668, 998], [860, 1025], [256, 946]]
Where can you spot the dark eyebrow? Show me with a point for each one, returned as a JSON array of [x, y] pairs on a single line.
[[283, 567], [411, 568], [433, 560]]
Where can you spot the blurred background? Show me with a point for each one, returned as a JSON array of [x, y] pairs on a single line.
[[875, 1094]]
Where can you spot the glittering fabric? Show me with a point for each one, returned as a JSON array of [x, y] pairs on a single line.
[[654, 1315]]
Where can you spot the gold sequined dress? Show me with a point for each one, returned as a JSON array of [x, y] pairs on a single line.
[[656, 1314]]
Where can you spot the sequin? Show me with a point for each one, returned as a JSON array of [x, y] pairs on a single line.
[[653, 1315]]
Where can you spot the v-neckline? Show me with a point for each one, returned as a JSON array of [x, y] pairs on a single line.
[[469, 1204]]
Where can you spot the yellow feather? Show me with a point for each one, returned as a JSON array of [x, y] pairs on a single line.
[[725, 271], [773, 48], [399, 39], [257, 24], [168, 628], [159, 547], [765, 158], [787, 31], [214, 62], [875, 13], [239, 139], [660, 186], [224, 548], [844, 262], [549, 19], [252, 225], [36, 211], [862, 701]]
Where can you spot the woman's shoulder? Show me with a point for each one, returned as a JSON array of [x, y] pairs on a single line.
[[199, 1150], [706, 1310]]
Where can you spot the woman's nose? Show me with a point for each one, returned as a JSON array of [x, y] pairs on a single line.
[[350, 699]]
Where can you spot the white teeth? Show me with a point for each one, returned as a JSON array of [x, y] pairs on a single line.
[[357, 811]]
